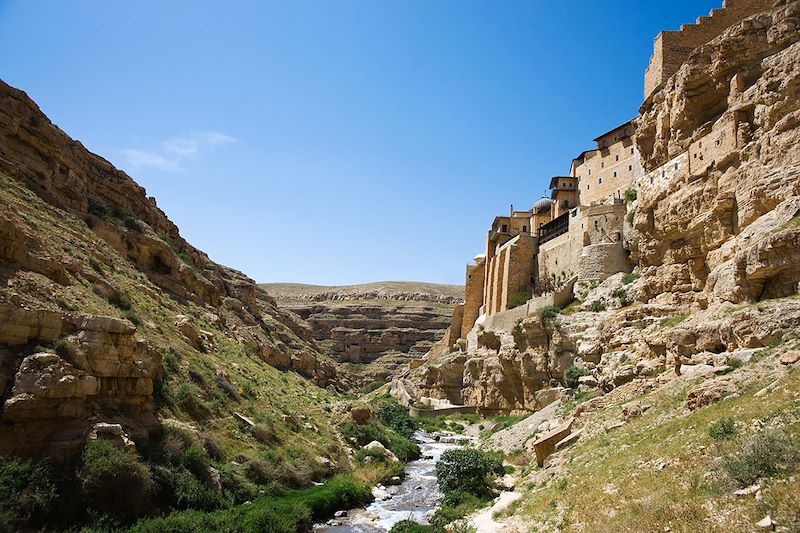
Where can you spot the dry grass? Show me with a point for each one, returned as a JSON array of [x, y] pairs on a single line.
[[614, 481]]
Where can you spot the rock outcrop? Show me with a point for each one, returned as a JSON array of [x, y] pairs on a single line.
[[96, 285]]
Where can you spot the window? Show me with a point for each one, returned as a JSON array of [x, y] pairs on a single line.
[[524, 229], [615, 173], [503, 228], [630, 167], [663, 173], [587, 186], [599, 181], [590, 171], [676, 166], [602, 164], [631, 151], [617, 158]]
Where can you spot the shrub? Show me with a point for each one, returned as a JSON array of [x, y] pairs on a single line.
[[548, 311], [630, 195], [597, 306], [572, 374], [191, 493], [96, 266], [195, 460], [28, 492], [132, 224], [409, 526], [113, 481], [733, 362], [170, 361], [466, 470], [263, 433], [129, 314], [396, 417], [630, 277], [518, 299], [763, 455], [722, 429], [120, 301], [65, 348]]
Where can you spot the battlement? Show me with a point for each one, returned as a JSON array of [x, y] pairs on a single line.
[[672, 48]]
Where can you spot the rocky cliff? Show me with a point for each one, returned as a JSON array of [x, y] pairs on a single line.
[[383, 325], [107, 315], [715, 236]]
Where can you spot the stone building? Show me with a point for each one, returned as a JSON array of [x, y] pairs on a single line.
[[672, 48]]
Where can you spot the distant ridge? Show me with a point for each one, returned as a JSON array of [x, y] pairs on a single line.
[[380, 290]]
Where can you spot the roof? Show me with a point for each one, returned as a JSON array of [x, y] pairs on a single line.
[[583, 154], [542, 203], [554, 178], [612, 130]]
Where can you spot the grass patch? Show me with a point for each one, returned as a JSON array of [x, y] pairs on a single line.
[[630, 277], [548, 311], [674, 320]]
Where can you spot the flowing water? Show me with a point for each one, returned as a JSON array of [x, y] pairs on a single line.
[[413, 499]]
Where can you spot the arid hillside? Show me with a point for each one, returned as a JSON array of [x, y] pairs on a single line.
[[375, 326]]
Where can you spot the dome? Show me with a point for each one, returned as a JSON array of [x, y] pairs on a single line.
[[542, 203]]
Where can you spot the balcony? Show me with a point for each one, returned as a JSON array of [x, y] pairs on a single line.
[[554, 228]]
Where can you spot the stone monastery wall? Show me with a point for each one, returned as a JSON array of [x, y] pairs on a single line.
[[671, 48]]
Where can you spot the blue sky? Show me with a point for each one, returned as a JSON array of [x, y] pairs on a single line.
[[341, 141]]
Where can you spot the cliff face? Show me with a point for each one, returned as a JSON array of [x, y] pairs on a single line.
[[715, 236], [98, 286], [383, 325], [728, 230]]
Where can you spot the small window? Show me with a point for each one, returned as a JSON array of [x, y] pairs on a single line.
[[524, 229], [617, 158], [587, 186], [676, 166], [630, 167], [503, 228], [663, 173], [590, 171], [631, 151], [599, 181], [602, 164]]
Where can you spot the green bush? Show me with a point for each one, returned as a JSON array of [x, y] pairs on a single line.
[[65, 348], [396, 417], [409, 526], [764, 455], [572, 374], [597, 306], [518, 299], [403, 447], [28, 493], [466, 470], [170, 361], [113, 481], [630, 195], [548, 311], [192, 493], [132, 224], [130, 314], [120, 301], [722, 429], [630, 277]]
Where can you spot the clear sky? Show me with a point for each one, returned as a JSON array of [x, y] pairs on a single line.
[[337, 141]]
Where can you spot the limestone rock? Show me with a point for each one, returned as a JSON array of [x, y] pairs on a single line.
[[709, 392]]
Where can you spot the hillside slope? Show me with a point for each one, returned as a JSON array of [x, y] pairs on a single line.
[[113, 327]]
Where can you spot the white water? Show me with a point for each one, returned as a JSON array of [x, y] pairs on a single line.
[[413, 499]]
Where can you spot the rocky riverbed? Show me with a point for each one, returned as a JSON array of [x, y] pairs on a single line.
[[415, 498]]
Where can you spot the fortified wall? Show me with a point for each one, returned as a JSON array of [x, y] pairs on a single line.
[[672, 48]]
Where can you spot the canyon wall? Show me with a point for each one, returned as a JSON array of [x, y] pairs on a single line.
[[97, 287], [714, 233]]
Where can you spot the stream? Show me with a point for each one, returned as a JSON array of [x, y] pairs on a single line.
[[413, 499]]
